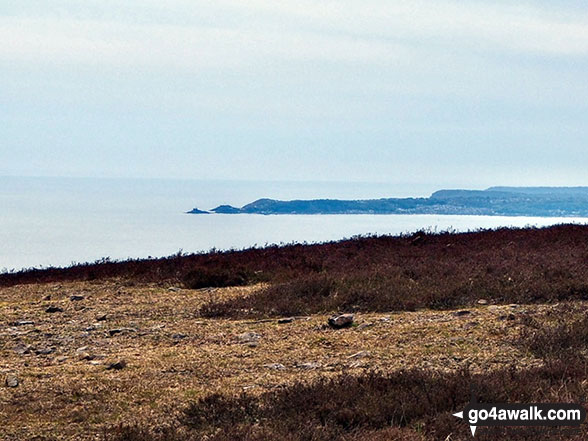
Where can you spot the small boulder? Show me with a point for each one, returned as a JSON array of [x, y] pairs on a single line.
[[116, 331], [248, 337], [44, 351], [22, 349], [117, 365], [308, 366], [341, 321], [11, 381], [22, 323], [76, 298], [275, 366], [361, 354], [462, 313], [286, 320], [101, 318], [53, 309], [509, 317]]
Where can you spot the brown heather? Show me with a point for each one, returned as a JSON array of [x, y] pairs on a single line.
[[188, 378]]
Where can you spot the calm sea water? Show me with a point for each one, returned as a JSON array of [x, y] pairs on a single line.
[[57, 221]]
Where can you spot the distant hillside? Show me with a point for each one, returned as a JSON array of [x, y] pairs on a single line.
[[494, 201]]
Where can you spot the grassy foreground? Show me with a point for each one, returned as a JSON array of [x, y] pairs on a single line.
[[434, 314]]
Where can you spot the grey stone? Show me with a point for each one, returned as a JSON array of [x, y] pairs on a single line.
[[248, 337], [283, 321], [117, 365], [341, 321], [22, 349], [120, 331], [11, 381], [22, 323], [308, 366], [361, 354], [275, 366]]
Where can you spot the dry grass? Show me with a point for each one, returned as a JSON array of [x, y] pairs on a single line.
[[62, 396], [179, 358]]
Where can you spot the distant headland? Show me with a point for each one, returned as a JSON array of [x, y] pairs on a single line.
[[494, 201]]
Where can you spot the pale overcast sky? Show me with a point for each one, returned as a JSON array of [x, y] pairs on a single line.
[[452, 93]]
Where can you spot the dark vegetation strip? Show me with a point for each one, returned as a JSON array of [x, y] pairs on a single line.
[[432, 271], [409, 405], [383, 273], [558, 251]]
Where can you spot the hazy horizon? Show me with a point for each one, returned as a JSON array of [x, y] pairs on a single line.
[[460, 95]]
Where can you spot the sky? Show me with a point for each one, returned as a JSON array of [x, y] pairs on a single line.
[[451, 93]]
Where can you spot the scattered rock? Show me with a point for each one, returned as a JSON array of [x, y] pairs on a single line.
[[61, 359], [82, 349], [101, 318], [173, 289], [52, 309], [356, 364], [116, 331], [22, 349], [95, 363], [308, 366], [341, 321], [117, 365], [87, 357], [462, 313], [384, 319], [248, 337], [283, 321], [178, 336], [11, 381], [47, 298], [22, 323], [471, 324], [365, 325], [76, 298], [44, 351], [507, 317], [275, 366], [360, 354], [482, 302]]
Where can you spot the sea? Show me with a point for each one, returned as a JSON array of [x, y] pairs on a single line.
[[62, 221]]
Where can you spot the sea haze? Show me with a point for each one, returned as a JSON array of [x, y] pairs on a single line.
[[57, 221]]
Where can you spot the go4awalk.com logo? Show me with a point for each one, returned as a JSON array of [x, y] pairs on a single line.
[[521, 415]]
